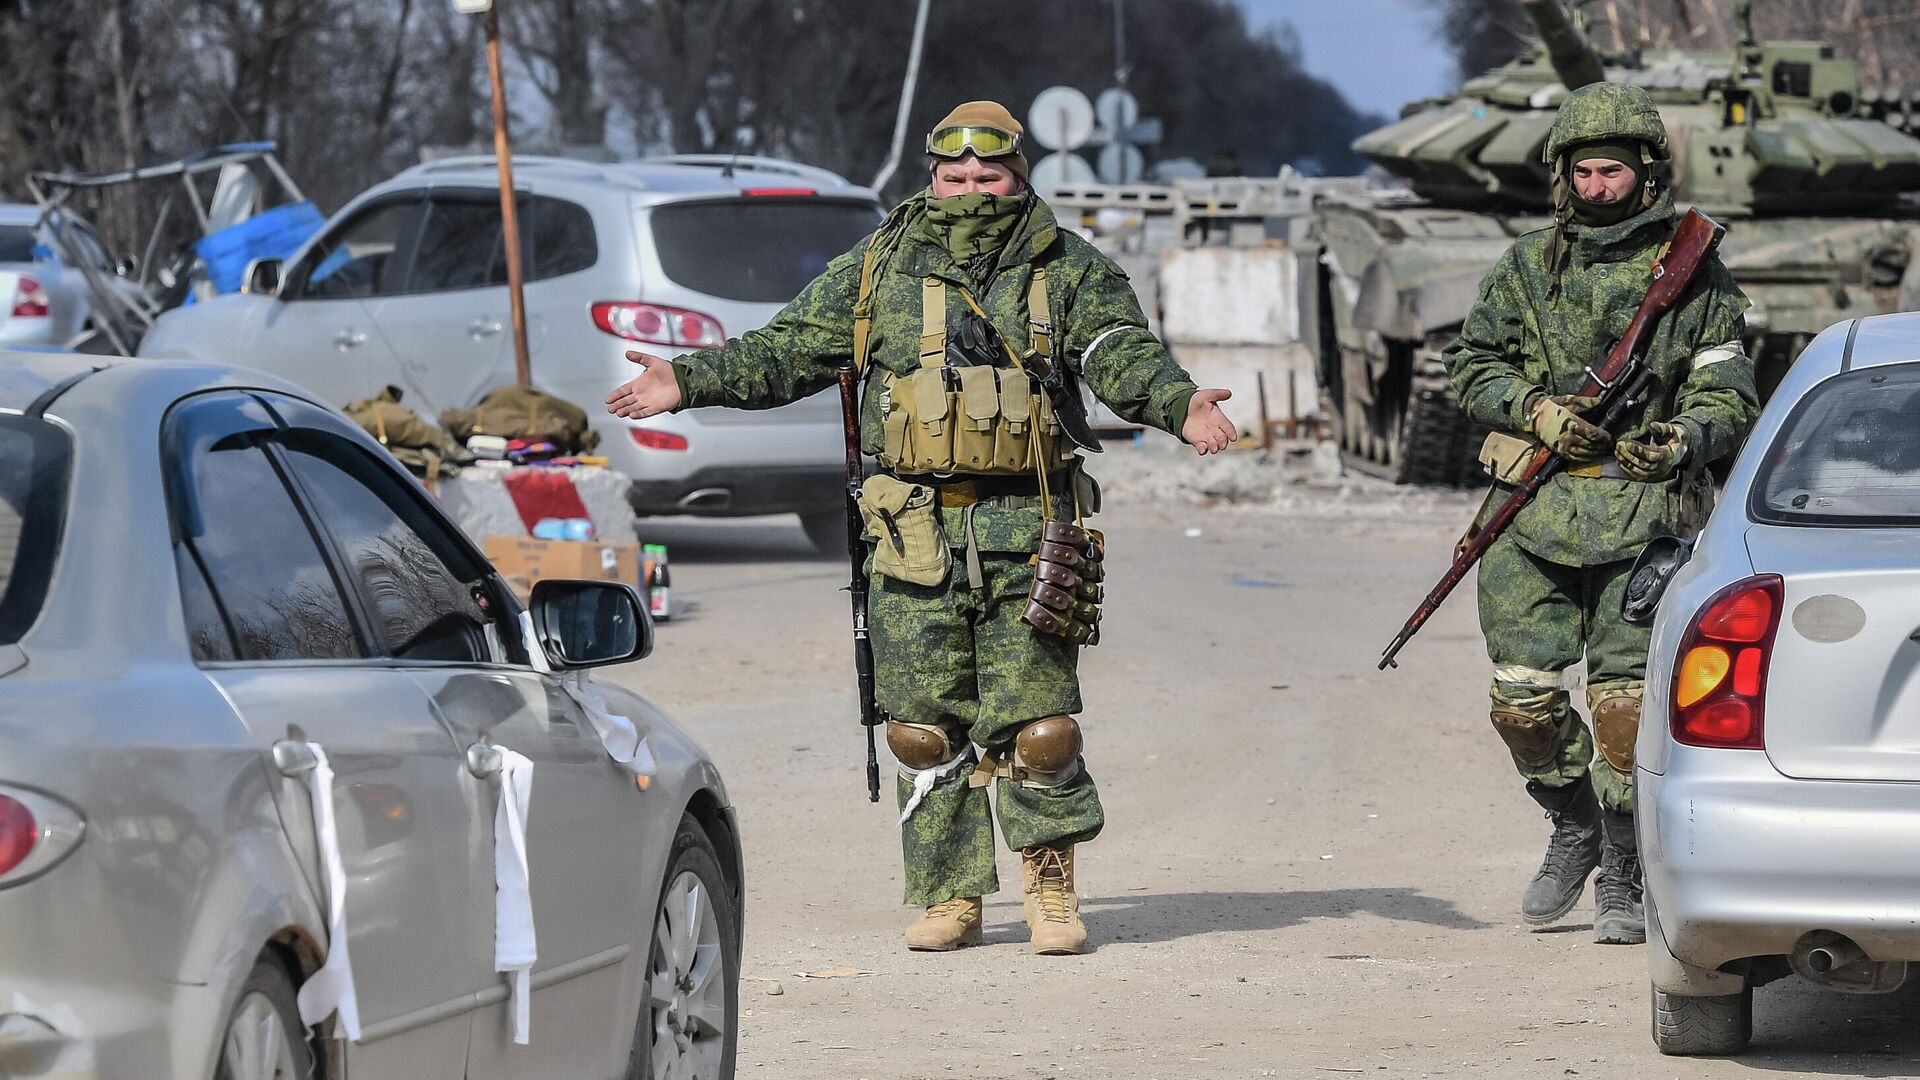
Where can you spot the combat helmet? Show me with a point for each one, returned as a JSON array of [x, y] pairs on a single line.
[[1607, 112]]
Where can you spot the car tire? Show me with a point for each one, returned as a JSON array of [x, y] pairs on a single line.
[[827, 530], [1702, 1026], [264, 1039], [681, 1005]]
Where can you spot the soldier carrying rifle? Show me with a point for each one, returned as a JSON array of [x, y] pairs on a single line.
[[967, 318], [1551, 585]]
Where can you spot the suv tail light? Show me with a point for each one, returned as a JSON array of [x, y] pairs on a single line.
[[35, 833], [1720, 682], [656, 324], [29, 298], [649, 439]]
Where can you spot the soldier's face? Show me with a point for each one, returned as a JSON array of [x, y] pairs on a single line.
[[1602, 180], [969, 174]]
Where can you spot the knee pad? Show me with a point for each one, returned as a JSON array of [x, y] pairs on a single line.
[[1533, 739], [1047, 752], [1529, 708], [1616, 723], [920, 746]]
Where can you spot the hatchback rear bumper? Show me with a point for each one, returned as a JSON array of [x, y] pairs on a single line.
[[741, 490], [1742, 861]]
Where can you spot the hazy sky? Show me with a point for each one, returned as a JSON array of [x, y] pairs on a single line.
[[1380, 53]]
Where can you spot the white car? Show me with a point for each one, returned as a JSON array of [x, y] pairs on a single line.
[[43, 301], [1778, 764]]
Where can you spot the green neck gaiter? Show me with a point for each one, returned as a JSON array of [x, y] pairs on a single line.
[[974, 225]]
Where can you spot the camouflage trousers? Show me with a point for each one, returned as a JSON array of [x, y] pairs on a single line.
[[960, 657], [1539, 618]]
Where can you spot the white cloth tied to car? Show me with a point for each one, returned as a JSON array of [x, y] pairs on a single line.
[[514, 947], [617, 733], [331, 989]]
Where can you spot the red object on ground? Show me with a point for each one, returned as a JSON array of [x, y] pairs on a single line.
[[543, 493]]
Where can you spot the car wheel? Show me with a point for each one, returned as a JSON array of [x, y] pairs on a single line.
[[1696, 1026], [264, 1038], [688, 1021], [827, 531]]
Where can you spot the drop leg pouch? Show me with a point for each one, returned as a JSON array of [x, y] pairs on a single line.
[[909, 544]]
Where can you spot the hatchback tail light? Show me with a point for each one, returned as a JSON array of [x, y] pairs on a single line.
[[29, 298], [657, 324], [1720, 681], [36, 832], [649, 439]]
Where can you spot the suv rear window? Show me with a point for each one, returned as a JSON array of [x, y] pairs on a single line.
[[16, 243], [1849, 454], [33, 498], [760, 250]]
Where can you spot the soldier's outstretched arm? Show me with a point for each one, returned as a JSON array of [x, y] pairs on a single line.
[[1718, 401], [799, 353], [1105, 337], [1485, 362]]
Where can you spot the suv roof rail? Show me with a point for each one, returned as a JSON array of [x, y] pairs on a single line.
[[464, 162], [753, 163]]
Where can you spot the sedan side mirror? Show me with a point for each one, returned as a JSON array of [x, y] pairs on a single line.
[[584, 624], [1652, 571], [262, 277]]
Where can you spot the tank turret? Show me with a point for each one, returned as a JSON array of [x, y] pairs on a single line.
[[1573, 59]]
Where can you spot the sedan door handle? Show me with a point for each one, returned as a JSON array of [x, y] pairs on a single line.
[[348, 338], [294, 758], [485, 760], [483, 328]]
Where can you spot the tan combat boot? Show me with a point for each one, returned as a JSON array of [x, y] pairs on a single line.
[[1053, 908], [947, 925]]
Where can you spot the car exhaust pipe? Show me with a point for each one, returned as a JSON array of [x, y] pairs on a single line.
[[1835, 962], [706, 499]]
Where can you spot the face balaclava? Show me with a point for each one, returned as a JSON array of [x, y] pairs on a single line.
[[1600, 215], [976, 225]]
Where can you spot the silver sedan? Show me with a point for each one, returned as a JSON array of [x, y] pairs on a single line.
[[1778, 763], [266, 724]]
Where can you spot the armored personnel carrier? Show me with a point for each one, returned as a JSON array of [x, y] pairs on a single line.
[[1776, 140]]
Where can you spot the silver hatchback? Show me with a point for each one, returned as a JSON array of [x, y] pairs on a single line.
[[215, 594], [1778, 763], [406, 286]]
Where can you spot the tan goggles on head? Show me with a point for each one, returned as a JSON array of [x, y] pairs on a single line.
[[985, 142]]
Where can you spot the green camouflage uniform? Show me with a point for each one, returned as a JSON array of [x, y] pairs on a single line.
[[1551, 585], [954, 655]]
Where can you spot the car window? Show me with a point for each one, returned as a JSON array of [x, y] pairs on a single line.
[[460, 247], [1848, 454], [276, 595], [16, 243], [34, 456], [419, 607], [560, 234], [364, 256], [761, 250]]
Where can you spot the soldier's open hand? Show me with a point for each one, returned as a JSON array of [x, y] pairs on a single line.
[[1558, 422], [1207, 429], [653, 393]]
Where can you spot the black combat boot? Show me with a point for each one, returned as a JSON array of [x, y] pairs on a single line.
[[1618, 915], [1572, 852]]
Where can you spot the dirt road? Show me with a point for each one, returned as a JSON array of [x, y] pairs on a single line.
[[1310, 869]]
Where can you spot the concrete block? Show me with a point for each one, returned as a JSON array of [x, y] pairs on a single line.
[[1230, 295], [478, 502]]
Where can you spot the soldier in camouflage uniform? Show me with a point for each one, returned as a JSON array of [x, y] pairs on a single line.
[[1550, 587], [955, 664]]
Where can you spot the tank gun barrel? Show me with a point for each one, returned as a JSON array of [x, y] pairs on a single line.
[[1573, 58]]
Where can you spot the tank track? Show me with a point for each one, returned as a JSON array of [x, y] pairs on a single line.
[[1416, 432]]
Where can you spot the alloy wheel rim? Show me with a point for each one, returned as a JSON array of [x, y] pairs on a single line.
[[687, 986], [257, 1046]]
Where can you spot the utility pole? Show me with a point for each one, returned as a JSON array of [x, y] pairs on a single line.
[[509, 211]]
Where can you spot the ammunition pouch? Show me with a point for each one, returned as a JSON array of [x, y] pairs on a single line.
[[1616, 724], [909, 544], [989, 421], [1532, 739], [920, 746], [1505, 456], [1066, 595]]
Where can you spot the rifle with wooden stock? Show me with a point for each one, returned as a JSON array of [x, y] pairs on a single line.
[[1621, 384], [870, 716]]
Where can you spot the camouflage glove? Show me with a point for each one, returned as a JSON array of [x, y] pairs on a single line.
[[1663, 450], [1556, 420]]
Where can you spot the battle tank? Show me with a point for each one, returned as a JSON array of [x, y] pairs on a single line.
[[1776, 140]]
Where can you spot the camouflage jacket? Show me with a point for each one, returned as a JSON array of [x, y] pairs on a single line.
[[1516, 342], [1098, 328]]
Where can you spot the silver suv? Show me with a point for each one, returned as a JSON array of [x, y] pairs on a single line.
[[406, 286]]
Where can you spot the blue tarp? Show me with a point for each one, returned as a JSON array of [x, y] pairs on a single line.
[[272, 234]]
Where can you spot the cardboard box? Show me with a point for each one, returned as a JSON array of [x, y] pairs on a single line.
[[525, 559]]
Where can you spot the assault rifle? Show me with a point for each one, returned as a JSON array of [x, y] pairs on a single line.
[[870, 716], [1621, 383]]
